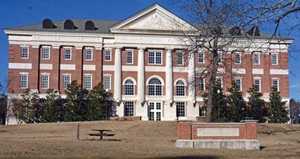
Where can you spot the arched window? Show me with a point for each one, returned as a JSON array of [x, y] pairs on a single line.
[[155, 87], [89, 25], [180, 88], [69, 24], [48, 24], [129, 87]]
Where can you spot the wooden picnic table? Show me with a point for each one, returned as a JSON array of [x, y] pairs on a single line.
[[101, 133]]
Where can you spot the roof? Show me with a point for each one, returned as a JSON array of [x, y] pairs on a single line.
[[101, 25]]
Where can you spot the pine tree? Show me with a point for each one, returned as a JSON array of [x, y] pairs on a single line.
[[236, 105], [277, 111], [219, 104], [256, 109]]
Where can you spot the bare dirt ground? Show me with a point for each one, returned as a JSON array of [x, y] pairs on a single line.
[[134, 139]]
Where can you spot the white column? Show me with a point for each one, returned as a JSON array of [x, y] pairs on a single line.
[[169, 76], [141, 75], [117, 75], [191, 76]]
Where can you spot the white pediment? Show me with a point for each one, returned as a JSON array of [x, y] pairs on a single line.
[[154, 18]]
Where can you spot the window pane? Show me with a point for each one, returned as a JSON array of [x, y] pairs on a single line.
[[200, 57], [107, 55], [67, 81], [88, 54], [257, 85], [274, 59], [88, 82], [180, 88], [219, 56], [129, 58], [201, 84], [24, 81], [237, 58], [151, 57], [45, 81], [67, 54], [24, 52], [129, 87], [129, 106], [107, 82], [238, 85], [256, 58], [158, 57], [180, 109], [46, 53], [275, 84], [179, 58]]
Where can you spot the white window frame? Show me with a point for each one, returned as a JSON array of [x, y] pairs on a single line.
[[178, 91], [47, 82], [127, 51], [64, 76], [258, 58], [203, 80], [241, 83], [65, 49], [109, 50], [86, 51], [27, 54], [155, 55], [23, 74], [126, 108], [43, 52], [184, 109], [274, 54], [85, 81], [203, 56], [104, 82], [127, 85], [275, 79], [240, 57], [259, 79], [182, 57]]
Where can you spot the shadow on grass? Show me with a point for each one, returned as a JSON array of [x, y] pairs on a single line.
[[262, 147], [101, 140], [189, 157]]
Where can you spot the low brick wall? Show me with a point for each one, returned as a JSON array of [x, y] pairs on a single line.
[[218, 134], [130, 118]]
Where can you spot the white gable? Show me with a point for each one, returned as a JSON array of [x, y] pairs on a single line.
[[154, 18]]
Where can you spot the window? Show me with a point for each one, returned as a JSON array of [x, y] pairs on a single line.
[[88, 82], [274, 58], [45, 81], [107, 55], [237, 58], [129, 87], [257, 85], [25, 53], [24, 81], [129, 57], [256, 58], [107, 82], [129, 105], [180, 109], [219, 81], [155, 87], [201, 57], [155, 57], [180, 88], [179, 58], [67, 81], [202, 84], [89, 54], [275, 84], [238, 84], [45, 53], [219, 56], [68, 54]]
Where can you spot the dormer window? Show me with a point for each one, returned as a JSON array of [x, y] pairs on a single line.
[[69, 24]]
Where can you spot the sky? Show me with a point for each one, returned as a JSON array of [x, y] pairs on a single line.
[[25, 12]]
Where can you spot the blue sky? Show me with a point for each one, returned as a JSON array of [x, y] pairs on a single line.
[[26, 12]]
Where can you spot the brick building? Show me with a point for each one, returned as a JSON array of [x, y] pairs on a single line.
[[142, 60]]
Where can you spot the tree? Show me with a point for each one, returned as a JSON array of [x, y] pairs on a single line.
[[3, 105], [52, 107], [221, 26], [236, 105], [219, 107], [256, 109], [295, 111], [277, 109], [29, 109]]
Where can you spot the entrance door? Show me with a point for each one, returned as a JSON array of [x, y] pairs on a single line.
[[155, 111]]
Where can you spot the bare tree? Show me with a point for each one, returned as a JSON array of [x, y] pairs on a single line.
[[226, 26]]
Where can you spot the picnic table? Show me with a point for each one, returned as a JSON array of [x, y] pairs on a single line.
[[101, 133]]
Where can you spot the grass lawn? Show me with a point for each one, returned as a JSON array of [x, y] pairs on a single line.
[[134, 139]]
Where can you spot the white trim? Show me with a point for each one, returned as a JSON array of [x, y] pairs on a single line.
[[279, 71], [202, 52], [64, 75], [89, 67], [48, 80], [182, 54], [110, 54], [67, 66], [26, 74], [20, 65], [108, 67], [91, 76], [130, 78], [107, 75], [27, 47], [155, 52], [256, 53], [155, 68], [238, 71], [277, 62], [92, 53], [155, 76], [46, 66], [179, 69], [43, 48], [278, 80], [241, 84], [130, 68], [180, 79], [257, 78], [67, 48], [258, 71], [240, 54]]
